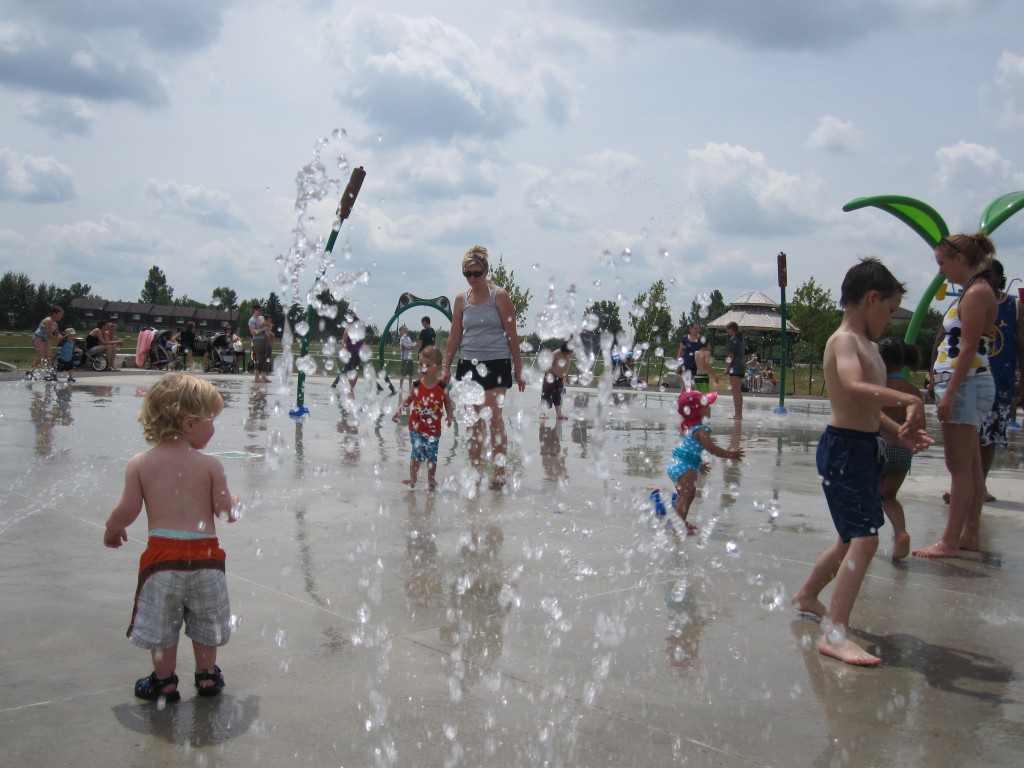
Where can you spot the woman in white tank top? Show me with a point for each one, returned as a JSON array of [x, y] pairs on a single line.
[[484, 338]]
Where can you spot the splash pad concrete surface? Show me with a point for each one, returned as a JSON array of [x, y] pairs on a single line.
[[555, 622]]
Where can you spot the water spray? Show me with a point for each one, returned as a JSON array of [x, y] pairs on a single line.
[[348, 200]]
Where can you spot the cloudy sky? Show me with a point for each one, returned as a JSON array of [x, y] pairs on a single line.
[[598, 143]]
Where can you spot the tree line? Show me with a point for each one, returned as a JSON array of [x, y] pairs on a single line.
[[812, 309]]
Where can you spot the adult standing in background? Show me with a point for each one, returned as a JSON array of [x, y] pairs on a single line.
[[428, 336], [260, 348], [688, 347], [735, 357], [964, 389], [484, 338], [46, 333]]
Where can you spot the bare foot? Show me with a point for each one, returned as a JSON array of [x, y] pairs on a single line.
[[988, 498], [970, 543], [562, 418], [543, 417], [848, 652], [432, 484], [901, 546], [736, 418], [410, 483], [945, 497], [691, 529], [814, 606], [937, 549], [498, 481]]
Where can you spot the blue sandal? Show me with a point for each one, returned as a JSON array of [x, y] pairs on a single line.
[[210, 690], [152, 688]]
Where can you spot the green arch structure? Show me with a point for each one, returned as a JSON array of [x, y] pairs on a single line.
[[405, 302], [927, 223]]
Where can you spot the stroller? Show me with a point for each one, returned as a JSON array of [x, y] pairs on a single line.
[[223, 356], [154, 350], [623, 371]]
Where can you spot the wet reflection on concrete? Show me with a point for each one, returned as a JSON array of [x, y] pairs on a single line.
[[556, 621]]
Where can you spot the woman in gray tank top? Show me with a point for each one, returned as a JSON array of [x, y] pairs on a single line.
[[484, 338]]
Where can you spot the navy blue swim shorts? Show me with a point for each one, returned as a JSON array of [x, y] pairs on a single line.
[[850, 466]]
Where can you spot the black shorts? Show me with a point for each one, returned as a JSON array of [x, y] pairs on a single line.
[[489, 374], [850, 466]]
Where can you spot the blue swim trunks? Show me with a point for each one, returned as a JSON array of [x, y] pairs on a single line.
[[424, 447], [850, 466]]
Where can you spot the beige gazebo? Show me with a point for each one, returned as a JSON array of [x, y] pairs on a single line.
[[755, 312]]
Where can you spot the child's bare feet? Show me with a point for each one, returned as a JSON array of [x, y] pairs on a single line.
[[938, 549], [848, 652], [411, 483], [901, 546], [691, 529], [813, 606], [432, 484]]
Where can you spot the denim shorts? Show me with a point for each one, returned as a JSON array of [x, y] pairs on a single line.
[[972, 401]]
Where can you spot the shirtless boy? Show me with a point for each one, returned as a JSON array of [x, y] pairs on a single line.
[[851, 452], [181, 573]]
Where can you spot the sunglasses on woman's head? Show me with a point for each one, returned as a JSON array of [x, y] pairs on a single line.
[[473, 273]]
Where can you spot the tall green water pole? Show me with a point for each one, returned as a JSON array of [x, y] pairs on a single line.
[[783, 280], [348, 199]]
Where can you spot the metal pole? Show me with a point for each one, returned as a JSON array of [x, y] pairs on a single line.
[[783, 279]]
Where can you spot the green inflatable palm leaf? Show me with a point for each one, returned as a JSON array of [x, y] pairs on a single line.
[[920, 217], [999, 210]]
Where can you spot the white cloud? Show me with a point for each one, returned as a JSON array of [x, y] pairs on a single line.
[[207, 206], [742, 194], [443, 171], [34, 179], [61, 117], [1010, 89], [421, 79], [782, 24], [834, 135], [966, 165]]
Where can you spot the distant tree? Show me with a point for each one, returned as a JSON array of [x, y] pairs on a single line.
[[45, 297], [607, 313], [224, 298], [66, 298], [156, 290], [815, 313], [520, 299], [16, 300], [654, 323], [185, 301], [273, 309], [931, 326], [715, 308]]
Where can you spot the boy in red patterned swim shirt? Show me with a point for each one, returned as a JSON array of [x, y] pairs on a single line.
[[428, 399]]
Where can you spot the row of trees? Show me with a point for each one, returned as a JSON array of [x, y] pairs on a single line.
[[812, 309]]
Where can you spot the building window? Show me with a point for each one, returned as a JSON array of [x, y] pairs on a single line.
[[158, 319], [135, 317]]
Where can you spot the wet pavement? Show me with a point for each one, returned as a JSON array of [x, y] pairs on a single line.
[[555, 622]]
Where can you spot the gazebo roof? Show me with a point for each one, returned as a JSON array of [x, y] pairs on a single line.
[[753, 299], [754, 311]]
